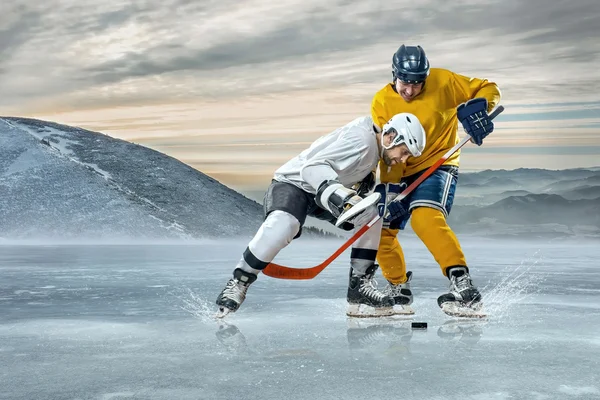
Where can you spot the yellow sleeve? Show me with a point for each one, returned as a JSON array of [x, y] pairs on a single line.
[[470, 88], [378, 112]]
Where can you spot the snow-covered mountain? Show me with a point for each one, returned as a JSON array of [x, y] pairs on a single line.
[[63, 182], [534, 209], [538, 203]]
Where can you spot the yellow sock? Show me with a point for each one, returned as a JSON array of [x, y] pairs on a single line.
[[391, 258], [431, 227]]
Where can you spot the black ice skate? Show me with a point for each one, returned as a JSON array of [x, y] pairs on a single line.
[[463, 300], [232, 297], [402, 296], [364, 300]]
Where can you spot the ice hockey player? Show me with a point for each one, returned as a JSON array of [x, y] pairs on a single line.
[[439, 98], [318, 182]]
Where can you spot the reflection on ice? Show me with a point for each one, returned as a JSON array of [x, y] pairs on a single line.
[[144, 328]]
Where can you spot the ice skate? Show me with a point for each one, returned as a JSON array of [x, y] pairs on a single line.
[[364, 300], [463, 300], [402, 296], [234, 293]]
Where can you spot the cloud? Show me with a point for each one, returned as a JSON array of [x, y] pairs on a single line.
[[15, 31], [237, 88], [84, 53]]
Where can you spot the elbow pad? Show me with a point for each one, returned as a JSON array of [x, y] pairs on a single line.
[[333, 197]]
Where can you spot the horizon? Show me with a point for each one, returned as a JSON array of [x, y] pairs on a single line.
[[109, 194], [237, 100], [256, 191]]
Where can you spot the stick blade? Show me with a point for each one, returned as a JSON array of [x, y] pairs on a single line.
[[358, 208], [281, 272]]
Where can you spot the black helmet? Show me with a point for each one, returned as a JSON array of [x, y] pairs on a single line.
[[410, 64]]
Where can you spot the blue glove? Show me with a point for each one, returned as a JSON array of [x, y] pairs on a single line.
[[475, 119], [398, 209]]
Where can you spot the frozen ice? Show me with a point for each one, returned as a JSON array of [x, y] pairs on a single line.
[[136, 322]]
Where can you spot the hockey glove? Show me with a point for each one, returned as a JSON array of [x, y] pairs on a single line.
[[395, 208], [475, 119], [389, 192], [365, 186], [336, 198]]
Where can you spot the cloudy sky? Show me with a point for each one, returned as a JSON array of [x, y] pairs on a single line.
[[235, 88]]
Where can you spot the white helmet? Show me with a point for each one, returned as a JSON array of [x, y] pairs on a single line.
[[410, 132]]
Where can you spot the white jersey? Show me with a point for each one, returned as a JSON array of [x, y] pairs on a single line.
[[347, 154]]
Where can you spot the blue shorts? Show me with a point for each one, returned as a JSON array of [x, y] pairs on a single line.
[[437, 191]]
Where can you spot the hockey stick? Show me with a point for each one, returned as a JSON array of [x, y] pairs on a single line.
[[282, 272]]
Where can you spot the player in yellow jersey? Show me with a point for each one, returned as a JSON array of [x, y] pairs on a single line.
[[437, 97]]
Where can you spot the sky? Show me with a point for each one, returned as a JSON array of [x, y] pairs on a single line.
[[236, 88]]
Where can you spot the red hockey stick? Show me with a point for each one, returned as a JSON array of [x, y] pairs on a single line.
[[282, 272]]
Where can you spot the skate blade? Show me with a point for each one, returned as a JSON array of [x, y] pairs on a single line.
[[457, 309], [403, 310], [222, 312], [365, 311]]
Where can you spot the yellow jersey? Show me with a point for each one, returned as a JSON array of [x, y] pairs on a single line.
[[435, 107]]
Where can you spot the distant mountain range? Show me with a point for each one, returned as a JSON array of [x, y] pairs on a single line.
[[524, 203], [61, 182], [529, 202]]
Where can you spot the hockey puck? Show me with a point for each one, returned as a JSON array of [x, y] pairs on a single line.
[[419, 325]]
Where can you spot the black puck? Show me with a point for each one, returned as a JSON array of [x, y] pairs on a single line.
[[419, 325]]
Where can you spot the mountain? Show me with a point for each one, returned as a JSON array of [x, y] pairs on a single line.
[[582, 192], [489, 198], [497, 182], [58, 181], [489, 186], [521, 174], [542, 209], [531, 179], [510, 193], [528, 202], [549, 212], [572, 184]]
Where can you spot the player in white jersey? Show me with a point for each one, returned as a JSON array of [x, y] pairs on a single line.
[[318, 182]]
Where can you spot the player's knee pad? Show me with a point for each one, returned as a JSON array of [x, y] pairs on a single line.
[[276, 232], [281, 226]]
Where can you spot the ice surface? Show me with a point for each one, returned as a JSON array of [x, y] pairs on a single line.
[[135, 322]]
